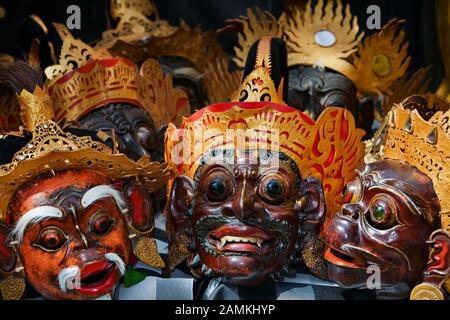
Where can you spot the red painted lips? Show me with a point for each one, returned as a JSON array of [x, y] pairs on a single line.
[[97, 278]]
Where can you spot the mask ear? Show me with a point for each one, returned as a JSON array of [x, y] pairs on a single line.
[[310, 207], [178, 212], [180, 199], [141, 214], [140, 218], [437, 272], [12, 278], [311, 203]]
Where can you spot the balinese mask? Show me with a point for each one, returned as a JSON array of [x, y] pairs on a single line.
[[195, 58], [393, 206], [313, 89], [73, 211], [113, 97], [330, 61], [249, 194]]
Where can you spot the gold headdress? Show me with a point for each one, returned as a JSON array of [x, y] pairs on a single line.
[[255, 26], [134, 23], [87, 79], [52, 149], [138, 37], [424, 144], [328, 149], [120, 7], [329, 37], [259, 85]]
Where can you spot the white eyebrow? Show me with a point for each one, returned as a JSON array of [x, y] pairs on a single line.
[[34, 216], [101, 192]]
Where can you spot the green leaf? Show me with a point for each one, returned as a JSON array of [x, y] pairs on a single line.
[[133, 277]]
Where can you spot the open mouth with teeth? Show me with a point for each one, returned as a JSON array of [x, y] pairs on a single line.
[[242, 239], [97, 278]]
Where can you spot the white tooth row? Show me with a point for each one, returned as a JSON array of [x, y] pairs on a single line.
[[253, 240]]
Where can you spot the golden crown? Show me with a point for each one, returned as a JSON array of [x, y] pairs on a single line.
[[87, 79], [329, 37], [329, 149], [138, 37], [120, 7], [424, 144], [258, 85], [51, 149]]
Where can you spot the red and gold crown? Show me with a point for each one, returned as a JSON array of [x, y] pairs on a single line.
[[424, 144], [328, 149], [328, 36], [53, 149], [87, 79]]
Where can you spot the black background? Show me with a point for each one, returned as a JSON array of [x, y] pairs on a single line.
[[420, 16]]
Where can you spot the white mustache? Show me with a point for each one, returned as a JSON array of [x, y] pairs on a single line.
[[115, 258], [69, 277]]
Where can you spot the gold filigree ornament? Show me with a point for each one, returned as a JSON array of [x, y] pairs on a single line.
[[146, 250], [119, 7], [95, 79], [52, 149], [424, 144], [327, 35], [328, 149], [138, 37], [258, 85], [257, 24], [12, 287], [426, 291]]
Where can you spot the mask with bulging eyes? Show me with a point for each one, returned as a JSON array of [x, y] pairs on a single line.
[[244, 217], [390, 210], [130, 128]]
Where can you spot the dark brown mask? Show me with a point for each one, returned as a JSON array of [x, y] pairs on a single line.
[[390, 211], [243, 216]]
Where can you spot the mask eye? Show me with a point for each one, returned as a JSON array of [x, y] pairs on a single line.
[[101, 223], [218, 185], [382, 212], [217, 190], [273, 189], [51, 239], [351, 192], [336, 99]]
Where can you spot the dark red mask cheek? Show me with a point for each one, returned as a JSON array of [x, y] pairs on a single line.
[[141, 215], [7, 256]]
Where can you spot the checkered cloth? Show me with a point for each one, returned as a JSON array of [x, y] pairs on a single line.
[[303, 287], [183, 286]]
